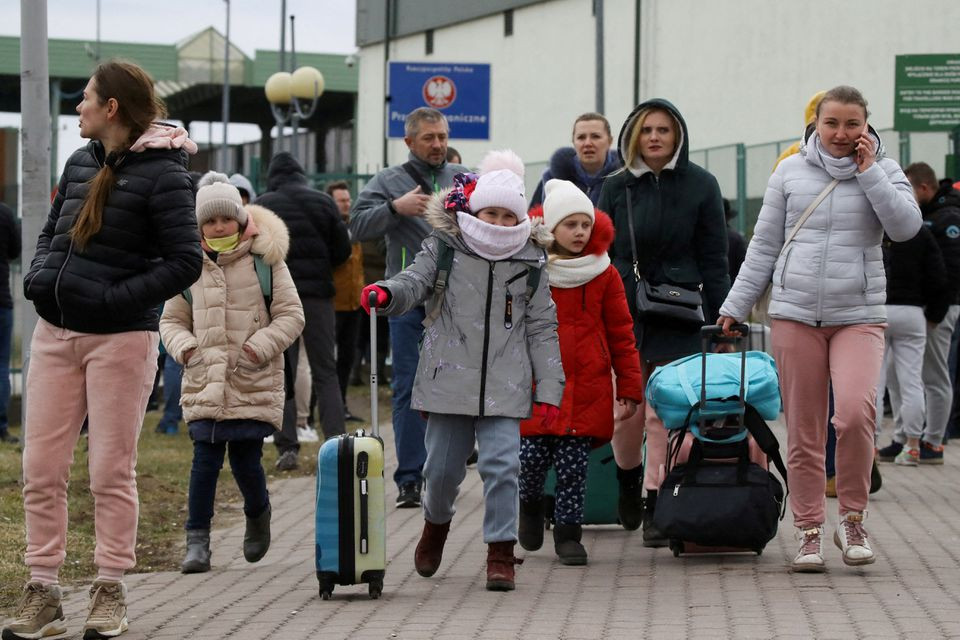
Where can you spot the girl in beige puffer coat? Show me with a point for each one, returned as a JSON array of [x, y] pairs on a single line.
[[229, 334]]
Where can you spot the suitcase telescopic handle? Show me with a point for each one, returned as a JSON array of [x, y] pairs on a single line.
[[714, 333], [374, 411]]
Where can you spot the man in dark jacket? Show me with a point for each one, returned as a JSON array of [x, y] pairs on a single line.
[[391, 206], [587, 163], [940, 207], [319, 242], [9, 250]]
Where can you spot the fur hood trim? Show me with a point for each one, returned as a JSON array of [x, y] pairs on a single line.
[[446, 221], [273, 239], [600, 239]]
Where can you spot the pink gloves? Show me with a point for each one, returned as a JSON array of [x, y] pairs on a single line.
[[383, 296]]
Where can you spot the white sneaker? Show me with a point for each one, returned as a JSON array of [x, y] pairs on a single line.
[[851, 538], [268, 439], [810, 556], [307, 434]]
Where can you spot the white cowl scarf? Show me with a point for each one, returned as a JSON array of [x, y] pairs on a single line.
[[567, 273], [491, 241]]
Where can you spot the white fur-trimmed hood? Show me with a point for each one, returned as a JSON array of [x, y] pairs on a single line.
[[272, 240], [446, 221]]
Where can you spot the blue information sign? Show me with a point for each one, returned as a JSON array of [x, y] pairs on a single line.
[[461, 91]]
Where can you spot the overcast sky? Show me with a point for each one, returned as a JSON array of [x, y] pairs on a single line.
[[322, 26]]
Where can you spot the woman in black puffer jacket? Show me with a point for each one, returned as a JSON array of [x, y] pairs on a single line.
[[121, 238], [679, 238]]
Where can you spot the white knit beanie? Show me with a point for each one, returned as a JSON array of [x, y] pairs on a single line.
[[217, 197], [500, 184], [561, 199]]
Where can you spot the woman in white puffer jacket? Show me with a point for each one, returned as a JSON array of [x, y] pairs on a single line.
[[827, 305]]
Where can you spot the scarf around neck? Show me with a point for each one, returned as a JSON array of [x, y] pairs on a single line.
[[490, 241], [839, 168], [568, 273]]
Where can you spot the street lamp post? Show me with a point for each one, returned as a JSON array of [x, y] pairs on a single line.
[[293, 97]]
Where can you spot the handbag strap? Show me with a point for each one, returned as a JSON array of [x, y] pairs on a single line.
[[807, 213], [633, 235]]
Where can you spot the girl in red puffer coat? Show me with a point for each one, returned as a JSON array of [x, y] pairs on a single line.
[[596, 335]]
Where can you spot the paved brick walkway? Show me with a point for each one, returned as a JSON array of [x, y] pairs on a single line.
[[913, 591]]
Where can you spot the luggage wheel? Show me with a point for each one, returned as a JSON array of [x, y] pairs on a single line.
[[758, 551], [375, 589], [676, 546], [326, 587]]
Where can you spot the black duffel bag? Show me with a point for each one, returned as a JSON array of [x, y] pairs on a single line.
[[720, 504]]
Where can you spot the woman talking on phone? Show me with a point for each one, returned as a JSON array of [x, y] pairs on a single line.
[[818, 237]]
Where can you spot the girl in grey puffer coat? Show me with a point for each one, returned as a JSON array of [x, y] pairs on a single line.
[[490, 338], [827, 306]]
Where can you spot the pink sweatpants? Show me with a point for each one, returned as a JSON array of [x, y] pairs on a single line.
[[71, 375], [808, 359], [628, 439]]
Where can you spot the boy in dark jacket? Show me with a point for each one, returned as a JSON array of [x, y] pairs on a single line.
[[319, 242]]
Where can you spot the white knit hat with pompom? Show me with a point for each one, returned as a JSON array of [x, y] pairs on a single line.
[[500, 184]]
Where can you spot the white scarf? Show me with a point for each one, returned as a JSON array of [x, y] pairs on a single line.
[[491, 241], [840, 168], [567, 273]]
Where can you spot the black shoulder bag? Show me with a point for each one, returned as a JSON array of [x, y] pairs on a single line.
[[663, 303]]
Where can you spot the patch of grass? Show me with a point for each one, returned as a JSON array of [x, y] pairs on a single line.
[[163, 475]]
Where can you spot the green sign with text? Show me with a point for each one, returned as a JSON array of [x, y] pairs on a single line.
[[927, 93]]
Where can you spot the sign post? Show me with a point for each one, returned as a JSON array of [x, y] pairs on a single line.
[[461, 91]]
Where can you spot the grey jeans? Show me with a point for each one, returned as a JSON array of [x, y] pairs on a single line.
[[319, 341], [936, 379], [449, 441], [906, 339]]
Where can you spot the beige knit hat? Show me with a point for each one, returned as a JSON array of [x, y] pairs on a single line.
[[217, 197], [561, 199]]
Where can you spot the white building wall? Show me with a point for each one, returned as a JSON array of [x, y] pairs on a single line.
[[739, 70]]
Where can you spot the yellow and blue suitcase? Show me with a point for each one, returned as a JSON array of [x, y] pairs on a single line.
[[350, 512]]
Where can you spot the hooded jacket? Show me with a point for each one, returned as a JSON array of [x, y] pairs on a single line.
[[373, 217], [596, 335], [916, 275], [147, 249], [832, 273], [681, 234], [942, 216], [318, 238], [565, 165], [474, 359], [221, 382]]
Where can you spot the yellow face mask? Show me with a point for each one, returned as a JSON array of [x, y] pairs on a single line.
[[223, 244]]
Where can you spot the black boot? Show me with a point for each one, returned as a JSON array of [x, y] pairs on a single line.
[[256, 537], [630, 503], [197, 559], [531, 524], [651, 535], [566, 542]]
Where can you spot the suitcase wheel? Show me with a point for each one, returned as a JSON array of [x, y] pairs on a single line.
[[677, 547], [326, 587], [758, 551], [376, 589]]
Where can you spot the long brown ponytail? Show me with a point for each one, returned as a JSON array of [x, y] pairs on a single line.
[[137, 107]]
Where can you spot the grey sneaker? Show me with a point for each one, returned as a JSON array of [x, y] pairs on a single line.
[[108, 610], [287, 461], [38, 614]]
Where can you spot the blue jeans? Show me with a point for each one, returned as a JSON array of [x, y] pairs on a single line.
[[408, 427], [450, 441], [6, 333], [247, 471], [172, 412]]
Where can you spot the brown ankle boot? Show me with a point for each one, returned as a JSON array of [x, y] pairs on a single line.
[[500, 562], [430, 548]]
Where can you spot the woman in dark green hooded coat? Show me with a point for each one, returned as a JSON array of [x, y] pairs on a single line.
[[680, 238]]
